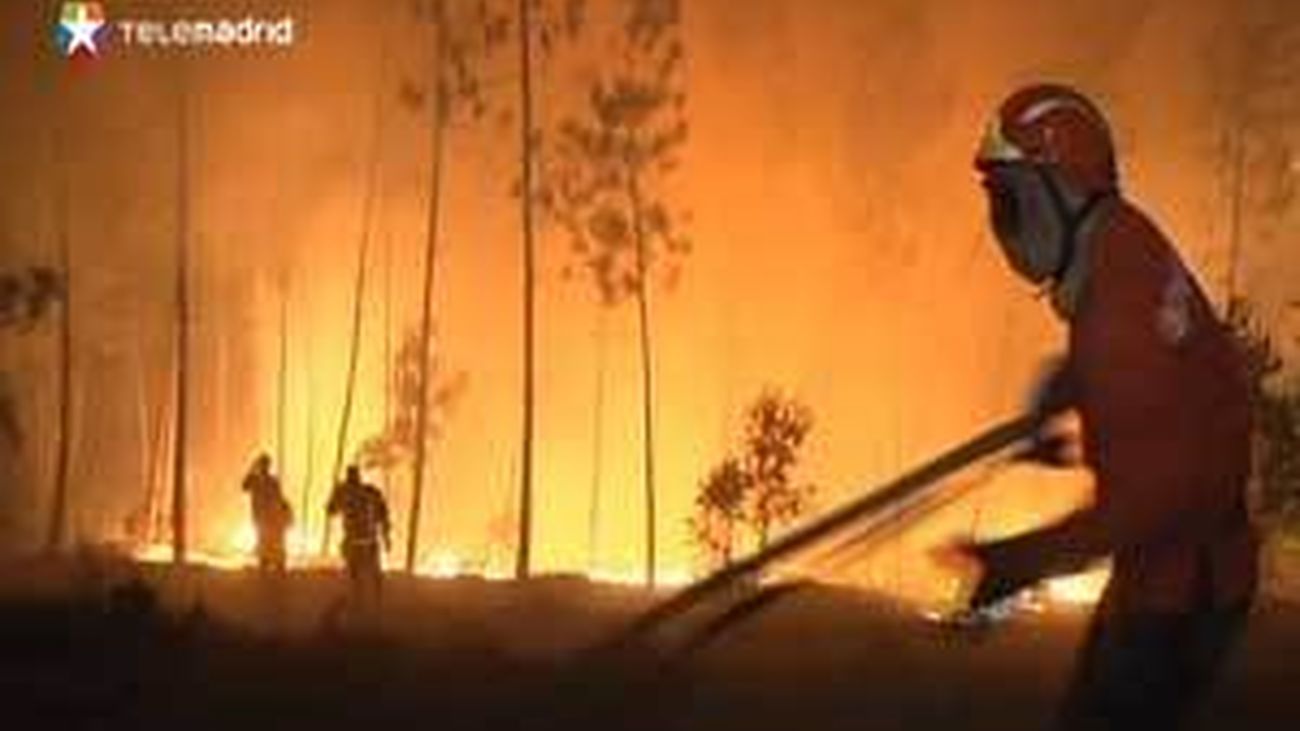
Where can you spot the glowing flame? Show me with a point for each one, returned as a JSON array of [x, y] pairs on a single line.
[[1077, 589], [161, 553], [243, 540], [153, 553], [239, 550], [301, 544], [442, 564]]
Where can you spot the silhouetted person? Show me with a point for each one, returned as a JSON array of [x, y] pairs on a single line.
[[1162, 397], [366, 531], [272, 515]]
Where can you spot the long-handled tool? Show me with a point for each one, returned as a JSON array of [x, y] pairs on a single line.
[[861, 543], [732, 579], [871, 506], [858, 546]]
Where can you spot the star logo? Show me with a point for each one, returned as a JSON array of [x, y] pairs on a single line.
[[80, 28]]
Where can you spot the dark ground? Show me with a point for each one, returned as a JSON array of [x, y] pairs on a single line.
[[81, 647]]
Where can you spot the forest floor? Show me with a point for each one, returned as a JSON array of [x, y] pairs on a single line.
[[111, 644]]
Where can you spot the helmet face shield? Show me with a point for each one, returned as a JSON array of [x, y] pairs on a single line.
[[1004, 205], [1025, 220]]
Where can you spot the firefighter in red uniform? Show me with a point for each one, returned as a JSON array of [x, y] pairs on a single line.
[[1160, 390]]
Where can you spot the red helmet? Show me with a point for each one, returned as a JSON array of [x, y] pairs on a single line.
[[1052, 125]]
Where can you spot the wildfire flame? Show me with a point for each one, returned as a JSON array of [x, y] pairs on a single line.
[[240, 552], [443, 564], [1077, 589]]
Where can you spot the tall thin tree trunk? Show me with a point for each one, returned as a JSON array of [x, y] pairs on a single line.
[[140, 521], [358, 293], [178, 512], [59, 509], [388, 350], [647, 376], [282, 377], [309, 447], [598, 440], [159, 457], [349, 387], [438, 130], [1237, 193], [523, 558]]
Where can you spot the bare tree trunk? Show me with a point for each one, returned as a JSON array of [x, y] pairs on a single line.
[[358, 295], [140, 521], [282, 376], [349, 386], [159, 456], [439, 119], [647, 377], [178, 514], [523, 558], [729, 547], [598, 440], [1238, 195], [309, 447], [59, 510], [388, 350]]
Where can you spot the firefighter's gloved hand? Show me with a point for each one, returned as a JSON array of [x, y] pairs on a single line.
[[1047, 449], [1000, 576]]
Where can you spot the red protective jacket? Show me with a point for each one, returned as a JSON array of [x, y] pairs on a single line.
[[1162, 396]]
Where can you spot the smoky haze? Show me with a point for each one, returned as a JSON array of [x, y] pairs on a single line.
[[840, 249]]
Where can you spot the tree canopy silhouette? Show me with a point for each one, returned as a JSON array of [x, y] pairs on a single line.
[[747, 497]]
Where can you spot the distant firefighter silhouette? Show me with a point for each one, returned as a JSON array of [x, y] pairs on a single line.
[[1161, 392], [272, 515], [366, 532]]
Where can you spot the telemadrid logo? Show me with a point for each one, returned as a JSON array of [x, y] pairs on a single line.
[[83, 31]]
